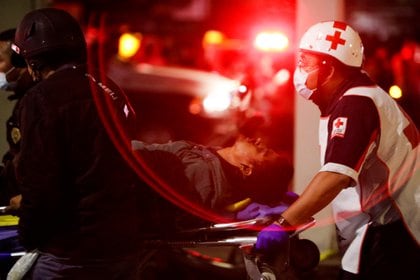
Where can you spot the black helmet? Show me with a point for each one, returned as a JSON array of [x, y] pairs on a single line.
[[48, 30]]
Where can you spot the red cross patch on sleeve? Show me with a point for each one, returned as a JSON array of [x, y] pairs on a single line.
[[339, 127]]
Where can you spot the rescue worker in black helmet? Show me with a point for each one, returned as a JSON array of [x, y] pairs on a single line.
[[78, 192], [15, 81]]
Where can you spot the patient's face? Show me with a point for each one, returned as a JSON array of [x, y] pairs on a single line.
[[254, 151]]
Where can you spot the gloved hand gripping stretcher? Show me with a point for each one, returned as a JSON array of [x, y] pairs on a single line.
[[295, 260]]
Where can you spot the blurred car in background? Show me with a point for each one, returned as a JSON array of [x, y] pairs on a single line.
[[174, 103]]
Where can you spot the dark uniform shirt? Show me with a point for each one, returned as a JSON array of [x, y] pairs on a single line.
[[8, 185], [79, 194]]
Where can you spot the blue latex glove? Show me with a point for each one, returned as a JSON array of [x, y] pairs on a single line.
[[252, 211], [271, 238]]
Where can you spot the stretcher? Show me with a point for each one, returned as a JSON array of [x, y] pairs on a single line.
[[297, 260], [190, 248]]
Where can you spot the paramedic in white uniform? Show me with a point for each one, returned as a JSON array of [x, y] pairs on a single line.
[[369, 158]]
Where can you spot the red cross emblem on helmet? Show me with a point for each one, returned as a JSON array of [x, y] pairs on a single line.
[[336, 39]]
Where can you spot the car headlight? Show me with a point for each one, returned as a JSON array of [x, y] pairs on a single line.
[[217, 102]]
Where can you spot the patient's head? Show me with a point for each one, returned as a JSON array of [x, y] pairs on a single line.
[[267, 173]]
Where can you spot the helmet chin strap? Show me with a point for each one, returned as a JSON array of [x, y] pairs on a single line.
[[322, 74], [319, 97]]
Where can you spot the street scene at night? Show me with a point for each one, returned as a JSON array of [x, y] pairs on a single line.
[[207, 139]]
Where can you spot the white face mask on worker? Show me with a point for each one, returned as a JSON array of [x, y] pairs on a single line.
[[4, 84], [3, 81], [299, 80]]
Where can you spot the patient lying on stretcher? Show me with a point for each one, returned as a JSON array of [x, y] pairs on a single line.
[[242, 181], [238, 182]]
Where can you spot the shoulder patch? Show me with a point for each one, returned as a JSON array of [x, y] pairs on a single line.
[[15, 135], [339, 127]]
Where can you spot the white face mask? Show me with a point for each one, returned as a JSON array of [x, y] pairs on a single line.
[[3, 81], [299, 80], [4, 84]]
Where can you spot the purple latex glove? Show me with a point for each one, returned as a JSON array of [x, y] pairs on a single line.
[[277, 210], [271, 238], [252, 211], [290, 197]]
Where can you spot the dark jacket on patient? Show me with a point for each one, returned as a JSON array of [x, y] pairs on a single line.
[[210, 179]]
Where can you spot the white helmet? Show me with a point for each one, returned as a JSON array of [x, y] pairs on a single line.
[[336, 39]]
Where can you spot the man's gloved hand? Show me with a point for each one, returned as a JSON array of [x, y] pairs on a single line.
[[252, 211], [271, 238], [277, 210], [289, 197], [256, 210]]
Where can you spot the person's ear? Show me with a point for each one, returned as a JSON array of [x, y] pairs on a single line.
[[326, 75], [330, 72], [246, 169], [35, 74]]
